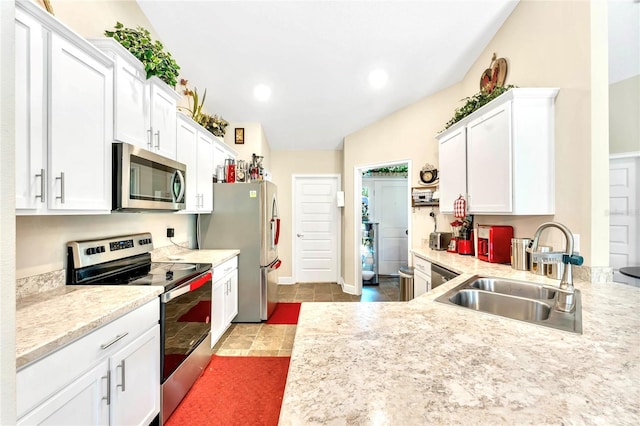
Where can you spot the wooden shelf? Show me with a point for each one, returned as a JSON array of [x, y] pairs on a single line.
[[429, 204]]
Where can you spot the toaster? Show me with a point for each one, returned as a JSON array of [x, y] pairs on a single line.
[[439, 240]]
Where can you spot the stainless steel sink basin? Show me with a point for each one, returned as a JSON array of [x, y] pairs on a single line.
[[518, 300], [513, 288], [499, 304]]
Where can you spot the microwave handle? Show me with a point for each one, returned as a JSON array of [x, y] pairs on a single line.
[[178, 174]]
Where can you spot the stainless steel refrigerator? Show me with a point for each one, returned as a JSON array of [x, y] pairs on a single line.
[[245, 216]]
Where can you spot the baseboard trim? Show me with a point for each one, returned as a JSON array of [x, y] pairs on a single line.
[[285, 280]]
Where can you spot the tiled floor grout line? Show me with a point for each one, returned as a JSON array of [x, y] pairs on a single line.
[[263, 339]]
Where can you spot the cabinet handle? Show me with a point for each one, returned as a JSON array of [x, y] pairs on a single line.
[[115, 339], [108, 397], [122, 385], [42, 185], [157, 139], [150, 137], [61, 179]]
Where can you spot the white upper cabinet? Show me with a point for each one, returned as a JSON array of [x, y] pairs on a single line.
[[162, 103], [501, 157], [195, 149], [144, 110], [131, 98], [453, 179], [63, 120]]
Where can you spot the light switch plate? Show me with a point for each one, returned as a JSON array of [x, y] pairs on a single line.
[[340, 198]]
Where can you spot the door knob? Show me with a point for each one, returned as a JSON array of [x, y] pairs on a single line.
[[300, 235]]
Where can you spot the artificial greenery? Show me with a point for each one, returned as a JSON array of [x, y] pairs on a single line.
[[393, 169], [151, 53], [213, 123], [476, 101]]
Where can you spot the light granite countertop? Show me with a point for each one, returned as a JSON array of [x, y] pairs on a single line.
[[49, 320], [423, 362], [215, 257]]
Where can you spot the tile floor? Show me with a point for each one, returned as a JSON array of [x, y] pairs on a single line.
[[277, 339]]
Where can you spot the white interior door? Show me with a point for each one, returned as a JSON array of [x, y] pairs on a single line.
[[316, 229], [390, 209], [623, 221]]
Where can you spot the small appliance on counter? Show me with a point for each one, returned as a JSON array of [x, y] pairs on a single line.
[[464, 242], [439, 240], [494, 243], [455, 234], [520, 257]]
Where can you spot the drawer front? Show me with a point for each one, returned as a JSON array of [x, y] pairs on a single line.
[[224, 268], [422, 265], [38, 381]]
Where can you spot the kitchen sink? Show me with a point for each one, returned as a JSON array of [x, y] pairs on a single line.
[[499, 304], [518, 300], [513, 288]]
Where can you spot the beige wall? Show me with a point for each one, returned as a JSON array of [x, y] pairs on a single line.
[[255, 142], [546, 45], [92, 18], [284, 165], [624, 116]]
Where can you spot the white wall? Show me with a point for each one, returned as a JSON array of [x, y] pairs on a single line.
[[255, 142], [7, 219]]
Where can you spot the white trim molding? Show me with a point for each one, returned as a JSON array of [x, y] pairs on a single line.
[[630, 154], [286, 281]]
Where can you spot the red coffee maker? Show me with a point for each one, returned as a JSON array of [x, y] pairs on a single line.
[[494, 243], [465, 242]]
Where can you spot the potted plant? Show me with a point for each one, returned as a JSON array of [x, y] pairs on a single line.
[[151, 53]]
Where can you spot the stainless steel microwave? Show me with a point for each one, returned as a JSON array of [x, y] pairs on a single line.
[[143, 180]]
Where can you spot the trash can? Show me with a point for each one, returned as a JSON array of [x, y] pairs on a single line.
[[406, 283]]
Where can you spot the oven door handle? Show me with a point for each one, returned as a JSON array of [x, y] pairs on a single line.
[[187, 287]]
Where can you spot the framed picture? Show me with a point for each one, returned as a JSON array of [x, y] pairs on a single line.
[[239, 135]]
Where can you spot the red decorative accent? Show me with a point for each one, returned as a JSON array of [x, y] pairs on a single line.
[[460, 207], [277, 264], [275, 242], [200, 282], [285, 313]]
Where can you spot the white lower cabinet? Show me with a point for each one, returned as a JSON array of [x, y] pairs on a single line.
[[421, 276], [110, 376], [224, 306]]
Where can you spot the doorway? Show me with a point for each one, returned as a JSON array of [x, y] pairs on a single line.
[[382, 222], [316, 228]]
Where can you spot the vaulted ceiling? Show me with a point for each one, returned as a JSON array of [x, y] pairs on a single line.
[[316, 56]]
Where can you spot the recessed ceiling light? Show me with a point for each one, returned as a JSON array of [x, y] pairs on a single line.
[[378, 78], [262, 92]]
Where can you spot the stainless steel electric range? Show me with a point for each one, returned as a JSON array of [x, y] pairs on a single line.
[[185, 304]]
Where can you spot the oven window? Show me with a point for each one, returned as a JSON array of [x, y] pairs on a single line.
[[151, 181], [186, 321]]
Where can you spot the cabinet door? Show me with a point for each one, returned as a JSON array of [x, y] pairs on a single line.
[[231, 308], [30, 122], [81, 111], [131, 109], [204, 171], [187, 139], [83, 402], [218, 322], [453, 178], [163, 120], [421, 284], [489, 164], [135, 380]]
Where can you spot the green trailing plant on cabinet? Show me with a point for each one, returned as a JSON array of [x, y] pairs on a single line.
[[151, 53], [476, 101]]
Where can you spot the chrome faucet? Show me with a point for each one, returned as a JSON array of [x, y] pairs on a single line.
[[565, 300]]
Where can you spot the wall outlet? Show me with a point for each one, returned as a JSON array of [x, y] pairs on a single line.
[[170, 232], [424, 243]]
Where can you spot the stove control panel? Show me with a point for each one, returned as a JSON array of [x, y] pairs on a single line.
[[94, 252]]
